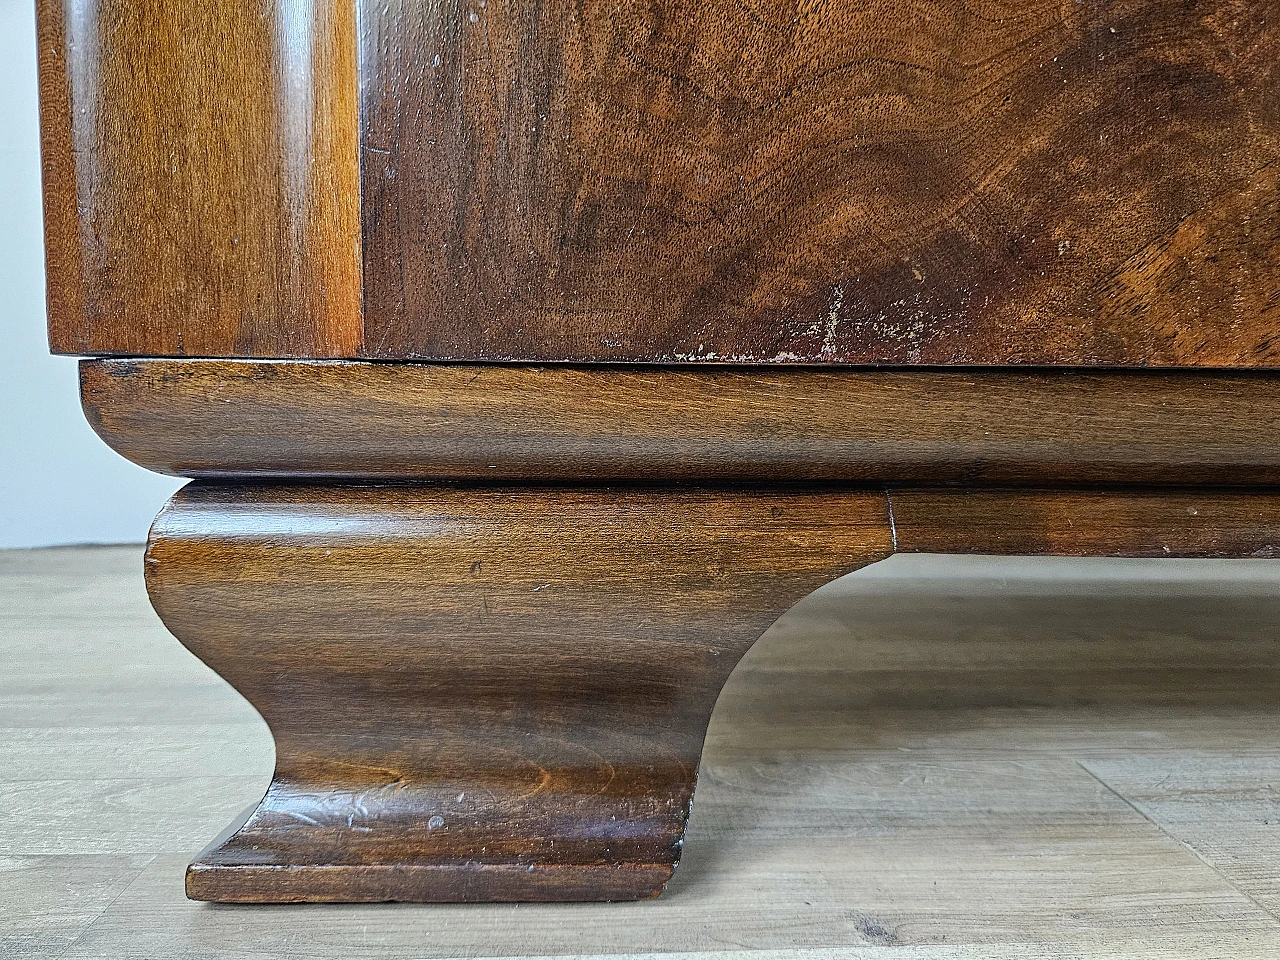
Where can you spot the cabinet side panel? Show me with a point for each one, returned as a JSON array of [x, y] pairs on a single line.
[[201, 177], [889, 181]]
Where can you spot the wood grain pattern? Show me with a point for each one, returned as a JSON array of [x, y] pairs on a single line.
[[1193, 522], [201, 177], [1017, 181], [1191, 799], [896, 181], [406, 421], [481, 694], [500, 693]]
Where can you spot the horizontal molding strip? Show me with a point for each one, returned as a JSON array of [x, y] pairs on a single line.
[[358, 420]]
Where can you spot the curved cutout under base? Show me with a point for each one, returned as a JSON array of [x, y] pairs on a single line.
[[482, 694]]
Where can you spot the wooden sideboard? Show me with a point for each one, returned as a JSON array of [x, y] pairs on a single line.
[[531, 357]]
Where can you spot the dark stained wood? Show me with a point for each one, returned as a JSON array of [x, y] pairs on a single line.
[[1192, 522], [481, 694], [1016, 181], [405, 421], [500, 693], [201, 174], [907, 182]]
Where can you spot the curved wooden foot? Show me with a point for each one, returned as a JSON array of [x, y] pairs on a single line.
[[482, 693], [501, 693]]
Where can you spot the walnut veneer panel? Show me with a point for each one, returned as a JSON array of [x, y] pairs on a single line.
[[906, 181], [201, 177]]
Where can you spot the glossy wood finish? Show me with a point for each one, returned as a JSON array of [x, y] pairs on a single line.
[[201, 177], [481, 694], [1018, 182], [501, 693], [1190, 522], [354, 420]]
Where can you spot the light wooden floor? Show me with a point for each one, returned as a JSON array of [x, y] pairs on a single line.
[[936, 758]]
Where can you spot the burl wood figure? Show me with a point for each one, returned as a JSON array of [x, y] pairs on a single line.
[[531, 357]]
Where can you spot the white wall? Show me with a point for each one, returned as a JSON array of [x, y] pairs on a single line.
[[58, 482]]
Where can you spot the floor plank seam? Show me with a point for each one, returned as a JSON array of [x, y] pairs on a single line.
[[103, 912], [1178, 840]]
